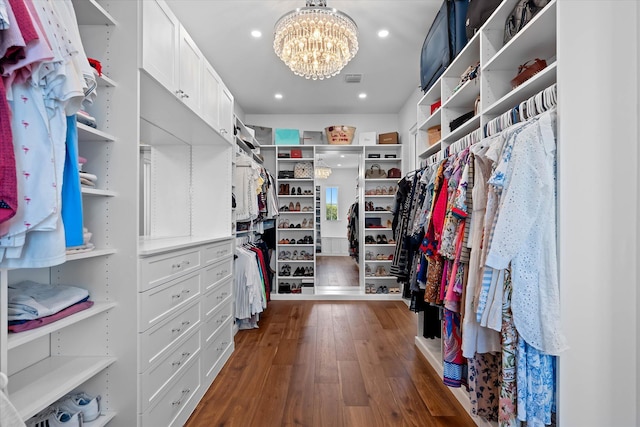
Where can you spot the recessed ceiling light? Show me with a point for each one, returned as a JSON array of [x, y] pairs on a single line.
[[362, 96], [342, 155], [339, 164], [383, 33], [278, 96], [256, 34]]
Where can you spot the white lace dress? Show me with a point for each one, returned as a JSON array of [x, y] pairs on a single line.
[[525, 236]]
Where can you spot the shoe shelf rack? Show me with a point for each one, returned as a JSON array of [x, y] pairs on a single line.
[[378, 241], [296, 237]]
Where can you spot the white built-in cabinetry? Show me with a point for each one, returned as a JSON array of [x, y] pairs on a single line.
[[162, 272], [498, 65]]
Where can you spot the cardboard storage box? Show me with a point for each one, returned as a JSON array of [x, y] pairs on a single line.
[[367, 138], [388, 138], [287, 137], [433, 134]]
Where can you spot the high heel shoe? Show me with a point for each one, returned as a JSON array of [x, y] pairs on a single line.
[[291, 207], [299, 191], [304, 223], [297, 207]]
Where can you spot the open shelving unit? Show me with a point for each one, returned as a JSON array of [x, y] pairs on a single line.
[[498, 65]]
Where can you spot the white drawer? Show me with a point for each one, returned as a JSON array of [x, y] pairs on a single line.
[[219, 343], [215, 251], [217, 319], [178, 399], [159, 302], [160, 338], [216, 296], [214, 273], [154, 381], [157, 269]]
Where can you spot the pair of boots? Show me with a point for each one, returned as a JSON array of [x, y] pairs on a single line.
[[283, 190]]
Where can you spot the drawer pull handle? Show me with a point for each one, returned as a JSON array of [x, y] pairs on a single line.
[[176, 296], [176, 363], [187, 262], [186, 291], [176, 330], [179, 401], [186, 354], [186, 323]]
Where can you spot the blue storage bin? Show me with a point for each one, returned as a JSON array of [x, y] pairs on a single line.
[[287, 137]]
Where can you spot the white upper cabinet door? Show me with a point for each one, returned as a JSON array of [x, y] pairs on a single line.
[[160, 45], [211, 89], [226, 114], [191, 64]]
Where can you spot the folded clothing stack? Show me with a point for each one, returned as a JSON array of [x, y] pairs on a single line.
[[86, 243], [31, 304], [86, 119]]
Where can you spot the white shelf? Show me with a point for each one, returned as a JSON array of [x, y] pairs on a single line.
[[372, 245], [97, 192], [89, 12], [297, 180], [381, 261], [465, 96], [431, 150], [295, 213], [17, 339], [87, 133], [34, 388], [377, 228], [536, 40], [383, 160], [295, 195], [535, 84], [105, 81], [102, 420], [284, 261], [433, 120], [379, 195], [299, 159], [464, 129], [468, 56], [387, 180], [91, 254]]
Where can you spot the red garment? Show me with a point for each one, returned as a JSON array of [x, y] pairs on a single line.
[[8, 180], [263, 269]]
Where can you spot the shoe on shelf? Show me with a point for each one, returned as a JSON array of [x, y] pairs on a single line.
[[379, 239], [367, 270], [368, 255], [384, 239], [297, 207], [291, 207], [55, 417], [81, 402]]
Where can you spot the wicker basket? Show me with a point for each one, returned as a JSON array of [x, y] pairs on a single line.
[[340, 135]]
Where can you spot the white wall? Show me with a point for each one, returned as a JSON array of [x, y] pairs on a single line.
[[598, 211], [380, 123], [408, 119], [345, 180]]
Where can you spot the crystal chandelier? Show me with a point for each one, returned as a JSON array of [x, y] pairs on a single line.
[[322, 170], [316, 41]]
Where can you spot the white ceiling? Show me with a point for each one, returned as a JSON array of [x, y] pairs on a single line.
[[253, 72]]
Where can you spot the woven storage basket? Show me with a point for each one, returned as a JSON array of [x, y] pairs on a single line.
[[340, 135]]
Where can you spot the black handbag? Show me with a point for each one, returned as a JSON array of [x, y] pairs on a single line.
[[456, 123], [521, 15], [478, 12]]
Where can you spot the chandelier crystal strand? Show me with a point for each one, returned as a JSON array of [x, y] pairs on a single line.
[[316, 42]]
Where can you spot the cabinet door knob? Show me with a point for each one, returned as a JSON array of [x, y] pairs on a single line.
[[223, 131]]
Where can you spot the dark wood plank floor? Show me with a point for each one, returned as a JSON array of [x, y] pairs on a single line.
[[336, 271], [329, 364]]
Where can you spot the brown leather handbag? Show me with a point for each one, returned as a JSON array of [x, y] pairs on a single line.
[[375, 172], [528, 70], [394, 173]]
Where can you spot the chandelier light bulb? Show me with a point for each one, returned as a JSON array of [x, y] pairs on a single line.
[[315, 41]]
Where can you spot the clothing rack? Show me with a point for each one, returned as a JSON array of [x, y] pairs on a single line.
[[543, 101]]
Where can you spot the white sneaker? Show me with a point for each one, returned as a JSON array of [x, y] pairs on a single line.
[[81, 402], [55, 417]]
